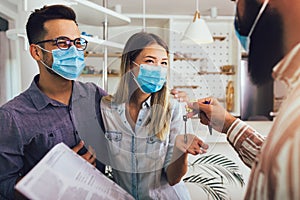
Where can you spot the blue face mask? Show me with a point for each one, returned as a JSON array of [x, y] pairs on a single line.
[[67, 63], [245, 40], [151, 78]]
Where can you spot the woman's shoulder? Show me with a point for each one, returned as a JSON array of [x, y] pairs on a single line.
[[109, 103]]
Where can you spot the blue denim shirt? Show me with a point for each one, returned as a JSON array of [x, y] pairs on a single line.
[[138, 158], [32, 123]]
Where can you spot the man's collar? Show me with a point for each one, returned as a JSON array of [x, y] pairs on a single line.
[[39, 99], [287, 70]]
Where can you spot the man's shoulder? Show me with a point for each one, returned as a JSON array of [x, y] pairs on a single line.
[[89, 86], [17, 102]]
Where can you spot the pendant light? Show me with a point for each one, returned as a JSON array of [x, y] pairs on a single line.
[[197, 31]]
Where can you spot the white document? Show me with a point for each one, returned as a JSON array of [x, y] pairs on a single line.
[[62, 174]]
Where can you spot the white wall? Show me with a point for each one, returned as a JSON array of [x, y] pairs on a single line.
[[23, 67]]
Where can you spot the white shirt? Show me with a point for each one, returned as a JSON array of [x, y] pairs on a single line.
[[138, 158], [275, 161]]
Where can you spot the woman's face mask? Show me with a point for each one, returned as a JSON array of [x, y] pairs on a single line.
[[151, 78], [67, 63]]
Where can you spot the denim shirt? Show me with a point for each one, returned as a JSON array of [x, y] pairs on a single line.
[[138, 158], [31, 124]]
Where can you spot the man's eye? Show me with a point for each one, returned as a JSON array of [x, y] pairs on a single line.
[[62, 43]]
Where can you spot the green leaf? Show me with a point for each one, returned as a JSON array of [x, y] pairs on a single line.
[[216, 169]]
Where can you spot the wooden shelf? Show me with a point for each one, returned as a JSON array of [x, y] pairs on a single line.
[[244, 55], [99, 75], [93, 14], [221, 73], [187, 86], [186, 58], [116, 55], [95, 43], [220, 38]]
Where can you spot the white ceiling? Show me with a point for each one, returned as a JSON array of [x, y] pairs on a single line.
[[172, 7]]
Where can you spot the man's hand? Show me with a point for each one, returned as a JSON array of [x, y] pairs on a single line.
[[211, 114], [89, 155]]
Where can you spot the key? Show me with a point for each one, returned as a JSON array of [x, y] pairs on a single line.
[[185, 135]]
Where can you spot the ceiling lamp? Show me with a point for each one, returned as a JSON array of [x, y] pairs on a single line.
[[197, 31]]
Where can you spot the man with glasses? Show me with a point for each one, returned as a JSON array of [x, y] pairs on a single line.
[[47, 113], [274, 50]]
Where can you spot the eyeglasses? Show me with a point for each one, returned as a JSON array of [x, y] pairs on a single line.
[[64, 43]]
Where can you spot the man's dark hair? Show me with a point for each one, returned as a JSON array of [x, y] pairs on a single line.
[[35, 24]]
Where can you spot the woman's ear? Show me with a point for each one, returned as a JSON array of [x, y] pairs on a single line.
[[133, 64], [35, 52]]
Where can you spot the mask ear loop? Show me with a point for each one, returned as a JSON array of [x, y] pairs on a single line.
[[43, 49], [135, 78], [262, 9], [135, 63], [43, 63]]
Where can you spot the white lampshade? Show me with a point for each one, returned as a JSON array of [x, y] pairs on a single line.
[[197, 32]]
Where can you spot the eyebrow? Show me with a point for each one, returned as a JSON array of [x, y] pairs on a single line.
[[155, 57]]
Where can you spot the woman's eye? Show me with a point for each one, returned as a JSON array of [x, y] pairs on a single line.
[[164, 63], [149, 61]]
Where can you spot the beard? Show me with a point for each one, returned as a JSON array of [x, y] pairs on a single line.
[[48, 61], [266, 47]]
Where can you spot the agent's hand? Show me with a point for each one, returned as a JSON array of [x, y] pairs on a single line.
[[181, 96], [87, 154], [211, 114], [193, 146]]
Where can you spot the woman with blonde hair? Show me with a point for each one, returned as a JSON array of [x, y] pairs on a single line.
[[143, 125]]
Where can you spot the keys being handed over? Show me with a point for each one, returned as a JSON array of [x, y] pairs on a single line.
[[212, 114]]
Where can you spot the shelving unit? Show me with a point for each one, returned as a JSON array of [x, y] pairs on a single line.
[[186, 86], [90, 13], [186, 58], [93, 14], [99, 75], [220, 38], [116, 55], [224, 73], [95, 43]]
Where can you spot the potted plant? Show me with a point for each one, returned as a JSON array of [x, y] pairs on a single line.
[[212, 171]]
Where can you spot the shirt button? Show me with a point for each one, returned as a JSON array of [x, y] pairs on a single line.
[[140, 120]]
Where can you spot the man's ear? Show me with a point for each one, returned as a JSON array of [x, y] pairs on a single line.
[[35, 52]]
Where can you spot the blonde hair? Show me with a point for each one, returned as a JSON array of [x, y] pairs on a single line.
[[160, 115]]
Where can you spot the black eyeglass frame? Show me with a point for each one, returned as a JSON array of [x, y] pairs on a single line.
[[68, 42]]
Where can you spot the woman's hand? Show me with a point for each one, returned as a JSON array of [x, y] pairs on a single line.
[[194, 145], [179, 164], [181, 96]]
